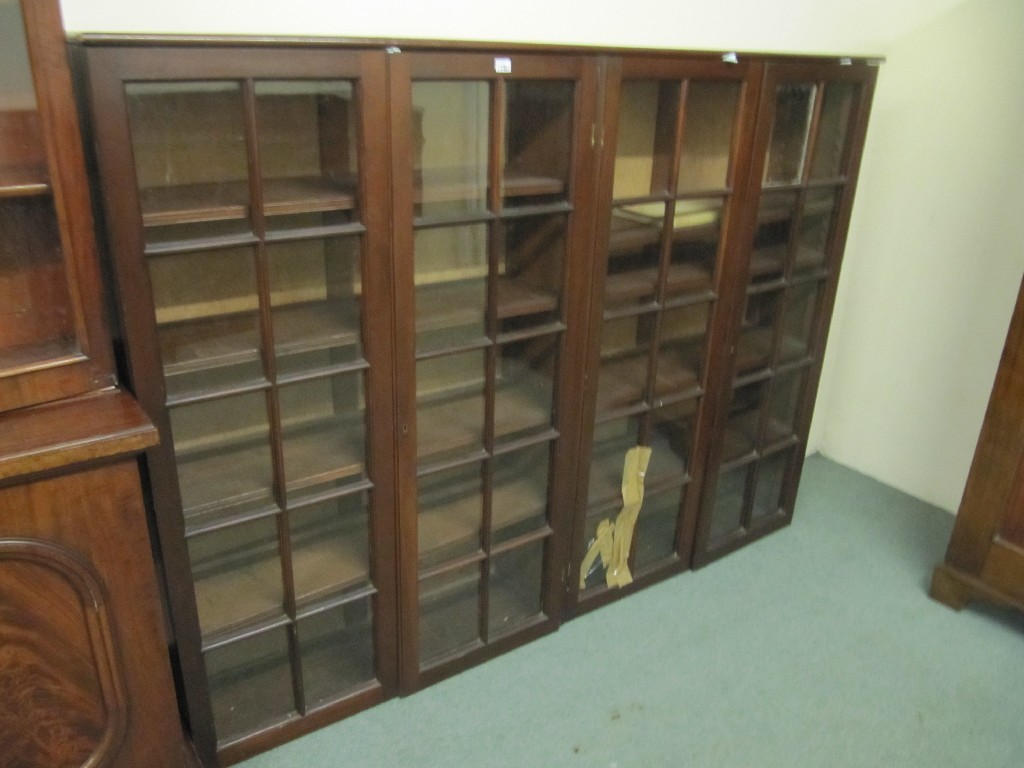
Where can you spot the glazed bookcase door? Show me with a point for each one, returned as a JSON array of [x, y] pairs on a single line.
[[671, 172], [810, 134], [248, 216], [490, 183], [53, 341]]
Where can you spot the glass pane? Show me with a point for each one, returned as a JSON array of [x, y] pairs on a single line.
[[634, 253], [771, 472], [308, 133], [707, 134], [36, 320], [450, 138], [798, 328], [697, 228], [519, 496], [449, 613], [611, 441], [207, 315], [625, 347], [330, 547], [815, 229], [744, 420], [538, 141], [451, 513], [237, 575], [336, 648], [189, 147], [315, 297], [450, 405], [530, 285], [451, 286], [833, 129], [515, 588], [730, 493], [646, 134], [754, 349], [324, 434], [596, 575], [671, 442], [654, 539], [524, 386], [250, 684], [786, 153], [786, 391], [771, 243], [681, 353], [222, 450]]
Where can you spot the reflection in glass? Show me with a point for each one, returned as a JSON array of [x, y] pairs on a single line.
[[449, 613], [330, 547], [730, 494], [524, 387], [336, 648], [515, 588], [815, 229], [519, 497], [189, 148], [538, 141], [655, 534], [786, 391], [308, 152], [237, 575], [833, 129], [643, 153], [634, 253], [315, 295], [450, 404], [771, 472], [707, 134], [450, 138], [530, 287], [451, 510], [696, 232], [671, 441], [323, 433], [798, 321], [771, 243], [451, 285], [744, 420], [757, 333], [222, 448], [788, 147], [250, 683]]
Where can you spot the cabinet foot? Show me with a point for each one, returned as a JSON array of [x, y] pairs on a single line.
[[949, 589]]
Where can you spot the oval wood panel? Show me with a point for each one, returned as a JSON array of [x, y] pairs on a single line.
[[61, 694]]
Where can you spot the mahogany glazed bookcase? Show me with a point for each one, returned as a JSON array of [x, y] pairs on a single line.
[[448, 343]]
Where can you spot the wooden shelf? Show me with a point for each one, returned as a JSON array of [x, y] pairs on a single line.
[[754, 349], [210, 343], [606, 464], [197, 203], [517, 298], [321, 325], [24, 181], [450, 185], [454, 523], [623, 382], [213, 482], [229, 598], [455, 421], [631, 285], [634, 227], [451, 305], [320, 453]]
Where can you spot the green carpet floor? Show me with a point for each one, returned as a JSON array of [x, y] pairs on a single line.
[[816, 647]]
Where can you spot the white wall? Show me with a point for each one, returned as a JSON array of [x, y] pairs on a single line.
[[934, 255]]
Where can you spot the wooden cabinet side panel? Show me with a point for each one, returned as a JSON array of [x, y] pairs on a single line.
[[97, 516], [995, 486]]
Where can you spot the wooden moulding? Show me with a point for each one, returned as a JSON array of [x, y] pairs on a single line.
[[70, 432]]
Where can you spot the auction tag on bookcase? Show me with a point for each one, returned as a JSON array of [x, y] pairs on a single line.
[[503, 66]]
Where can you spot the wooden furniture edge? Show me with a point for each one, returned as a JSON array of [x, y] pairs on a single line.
[[84, 429], [955, 588]]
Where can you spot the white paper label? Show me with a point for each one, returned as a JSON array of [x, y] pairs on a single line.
[[503, 66]]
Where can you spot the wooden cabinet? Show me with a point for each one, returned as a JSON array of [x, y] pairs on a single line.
[[491, 226], [399, 314], [85, 678], [985, 559], [53, 338], [806, 151]]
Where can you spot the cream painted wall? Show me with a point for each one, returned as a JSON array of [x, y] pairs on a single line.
[[935, 254]]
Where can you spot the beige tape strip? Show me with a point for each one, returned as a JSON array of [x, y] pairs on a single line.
[[613, 540]]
